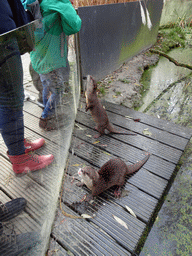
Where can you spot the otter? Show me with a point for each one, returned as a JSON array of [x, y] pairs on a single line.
[[112, 173], [97, 111]]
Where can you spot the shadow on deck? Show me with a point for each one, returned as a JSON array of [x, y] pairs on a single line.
[[102, 234]]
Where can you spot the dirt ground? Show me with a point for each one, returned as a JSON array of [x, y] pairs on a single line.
[[123, 85]]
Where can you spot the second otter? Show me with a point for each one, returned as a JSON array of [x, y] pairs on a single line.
[[112, 173]]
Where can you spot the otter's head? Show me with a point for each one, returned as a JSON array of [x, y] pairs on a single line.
[[88, 176], [91, 87]]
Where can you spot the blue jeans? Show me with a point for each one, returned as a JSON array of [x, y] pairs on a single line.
[[11, 97], [53, 86]]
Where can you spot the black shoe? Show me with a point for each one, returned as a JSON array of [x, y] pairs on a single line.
[[11, 209], [17, 245]]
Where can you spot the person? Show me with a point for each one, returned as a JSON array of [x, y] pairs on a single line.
[[12, 16], [10, 243], [49, 57], [37, 84]]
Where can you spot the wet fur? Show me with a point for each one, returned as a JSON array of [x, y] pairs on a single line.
[[97, 110], [111, 173]]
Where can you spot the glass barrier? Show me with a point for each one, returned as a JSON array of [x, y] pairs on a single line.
[[28, 202]]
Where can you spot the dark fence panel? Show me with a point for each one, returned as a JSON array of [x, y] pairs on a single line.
[[111, 34]]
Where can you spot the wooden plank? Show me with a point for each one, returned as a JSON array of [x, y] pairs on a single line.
[[47, 177], [29, 87], [141, 203], [93, 241], [67, 107], [164, 125], [156, 136], [32, 108], [101, 235], [60, 136], [150, 183], [117, 146], [127, 238], [35, 194], [104, 218], [56, 249], [3, 148]]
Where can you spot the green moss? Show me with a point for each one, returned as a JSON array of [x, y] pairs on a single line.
[[140, 69], [143, 38], [180, 210], [102, 90], [169, 38], [124, 81], [137, 104]]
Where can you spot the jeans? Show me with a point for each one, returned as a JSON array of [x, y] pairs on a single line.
[[53, 86], [11, 97]]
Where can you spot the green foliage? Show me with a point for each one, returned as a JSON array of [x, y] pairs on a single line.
[[140, 69], [102, 90], [170, 38], [181, 211], [124, 81]]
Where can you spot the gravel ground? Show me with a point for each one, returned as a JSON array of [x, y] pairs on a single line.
[[123, 85]]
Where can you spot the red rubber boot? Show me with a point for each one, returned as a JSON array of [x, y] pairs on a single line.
[[33, 145], [25, 163]]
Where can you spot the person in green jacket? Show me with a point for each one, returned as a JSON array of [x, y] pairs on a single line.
[[49, 57]]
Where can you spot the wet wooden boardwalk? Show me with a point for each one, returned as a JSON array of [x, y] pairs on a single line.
[[102, 234]]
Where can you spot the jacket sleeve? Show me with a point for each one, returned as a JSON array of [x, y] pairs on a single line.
[[70, 20]]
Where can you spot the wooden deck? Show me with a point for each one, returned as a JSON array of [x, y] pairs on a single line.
[[101, 234]]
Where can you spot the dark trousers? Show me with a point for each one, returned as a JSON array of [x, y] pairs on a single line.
[[11, 97]]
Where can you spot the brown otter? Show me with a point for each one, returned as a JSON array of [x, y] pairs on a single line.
[[111, 173], [97, 111]]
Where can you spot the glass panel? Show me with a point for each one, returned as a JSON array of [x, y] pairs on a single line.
[[27, 229]]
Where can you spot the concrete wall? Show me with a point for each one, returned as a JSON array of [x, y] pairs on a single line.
[[112, 34]]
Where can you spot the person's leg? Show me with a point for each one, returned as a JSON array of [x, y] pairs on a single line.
[[11, 111], [36, 82], [46, 82], [11, 98], [65, 72], [52, 86], [56, 83], [12, 130]]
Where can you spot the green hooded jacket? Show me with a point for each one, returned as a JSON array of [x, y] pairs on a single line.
[[59, 20]]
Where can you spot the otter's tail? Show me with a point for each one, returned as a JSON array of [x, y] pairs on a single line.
[[134, 167]]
